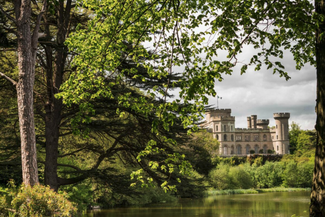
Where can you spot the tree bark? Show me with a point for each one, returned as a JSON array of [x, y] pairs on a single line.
[[317, 205], [26, 51], [53, 107]]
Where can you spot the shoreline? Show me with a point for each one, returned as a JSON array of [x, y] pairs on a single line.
[[252, 191]]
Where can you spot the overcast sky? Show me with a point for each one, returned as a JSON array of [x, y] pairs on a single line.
[[263, 93]]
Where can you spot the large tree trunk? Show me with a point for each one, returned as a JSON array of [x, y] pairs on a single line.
[[317, 205], [53, 107], [25, 86], [26, 51]]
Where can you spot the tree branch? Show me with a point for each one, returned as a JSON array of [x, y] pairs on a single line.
[[37, 26], [9, 79], [71, 166], [63, 181], [71, 153], [7, 15]]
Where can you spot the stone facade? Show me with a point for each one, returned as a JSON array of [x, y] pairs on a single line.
[[258, 136]]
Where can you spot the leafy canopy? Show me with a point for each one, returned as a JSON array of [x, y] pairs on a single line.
[[187, 37]]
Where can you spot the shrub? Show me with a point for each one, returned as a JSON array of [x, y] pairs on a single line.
[[290, 176], [219, 177], [269, 151], [239, 178], [269, 175], [34, 201], [305, 173], [261, 151], [252, 152]]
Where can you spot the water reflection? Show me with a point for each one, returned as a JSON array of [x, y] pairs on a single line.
[[280, 204]]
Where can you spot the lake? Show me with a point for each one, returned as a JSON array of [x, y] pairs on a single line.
[[279, 204]]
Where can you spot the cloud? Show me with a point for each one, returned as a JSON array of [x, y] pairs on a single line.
[[263, 93]]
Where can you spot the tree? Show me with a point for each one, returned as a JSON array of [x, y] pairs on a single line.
[[269, 26], [53, 118], [317, 206], [293, 136], [27, 40]]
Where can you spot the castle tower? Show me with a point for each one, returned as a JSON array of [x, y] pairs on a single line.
[[281, 132], [262, 124], [253, 121], [249, 122], [223, 128]]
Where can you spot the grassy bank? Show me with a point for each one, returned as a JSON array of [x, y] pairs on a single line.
[[253, 191]]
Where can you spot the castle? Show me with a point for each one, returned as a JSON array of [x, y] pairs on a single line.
[[257, 138]]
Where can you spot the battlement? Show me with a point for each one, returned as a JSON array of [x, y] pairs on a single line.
[[263, 121], [281, 115], [222, 118], [249, 129], [219, 110], [241, 129]]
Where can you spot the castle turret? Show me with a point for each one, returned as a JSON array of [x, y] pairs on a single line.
[[249, 123], [223, 125], [253, 121], [262, 124], [281, 132]]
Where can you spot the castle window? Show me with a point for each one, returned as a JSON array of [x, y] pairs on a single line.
[[264, 137], [277, 148], [232, 137], [255, 138], [256, 149], [217, 128], [232, 150], [225, 128], [238, 138], [264, 149], [248, 148], [277, 137], [225, 137], [217, 137], [276, 126], [247, 138], [231, 127], [238, 149], [225, 150]]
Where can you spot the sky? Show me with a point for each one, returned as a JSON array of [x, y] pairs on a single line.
[[263, 93]]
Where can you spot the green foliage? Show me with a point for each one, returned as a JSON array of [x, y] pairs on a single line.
[[226, 177], [258, 161], [240, 178], [200, 150], [290, 175], [35, 201], [269, 151], [118, 32], [253, 191], [291, 171], [305, 173], [219, 177], [301, 141], [269, 175], [298, 174], [205, 139], [81, 194], [293, 136]]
